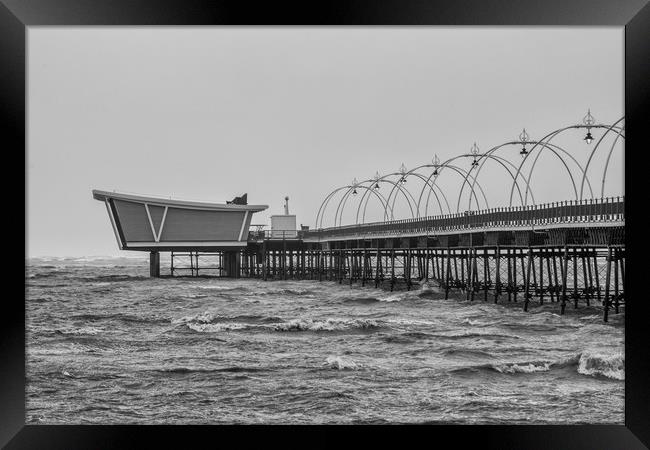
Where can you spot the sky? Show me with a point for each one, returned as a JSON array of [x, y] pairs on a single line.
[[209, 113]]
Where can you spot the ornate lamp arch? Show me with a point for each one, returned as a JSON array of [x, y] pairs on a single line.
[[484, 157], [524, 141], [384, 179], [545, 143], [321, 210], [619, 134], [341, 206], [464, 175], [377, 179]]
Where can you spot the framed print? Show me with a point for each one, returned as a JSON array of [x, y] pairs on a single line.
[[347, 214]]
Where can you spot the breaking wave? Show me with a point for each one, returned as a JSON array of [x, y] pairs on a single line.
[[474, 334], [94, 279], [466, 352], [586, 363], [81, 331], [601, 364], [233, 369], [217, 327], [340, 363], [208, 317], [327, 325]]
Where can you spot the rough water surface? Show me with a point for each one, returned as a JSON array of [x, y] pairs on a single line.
[[108, 345]]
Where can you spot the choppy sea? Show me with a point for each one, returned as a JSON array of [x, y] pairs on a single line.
[[106, 344]]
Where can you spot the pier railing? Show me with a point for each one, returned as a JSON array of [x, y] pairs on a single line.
[[609, 209]]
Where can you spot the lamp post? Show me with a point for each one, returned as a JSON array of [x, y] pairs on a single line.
[[523, 138], [436, 164], [589, 121], [402, 170], [474, 152]]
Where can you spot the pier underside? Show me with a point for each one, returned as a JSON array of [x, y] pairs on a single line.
[[570, 267]]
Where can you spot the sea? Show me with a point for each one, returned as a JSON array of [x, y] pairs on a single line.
[[106, 344]]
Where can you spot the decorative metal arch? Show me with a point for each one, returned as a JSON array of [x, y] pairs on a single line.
[[485, 157], [470, 178], [343, 201], [609, 155], [323, 206], [464, 174], [545, 141], [553, 147], [393, 205], [321, 211], [619, 134]]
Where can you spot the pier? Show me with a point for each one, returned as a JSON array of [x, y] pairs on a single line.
[[569, 253]]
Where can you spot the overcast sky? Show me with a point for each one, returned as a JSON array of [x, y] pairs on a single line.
[[210, 113]]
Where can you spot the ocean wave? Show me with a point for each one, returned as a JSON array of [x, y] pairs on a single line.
[[474, 334], [539, 327], [467, 352], [67, 349], [233, 369], [361, 300], [37, 276], [284, 291], [586, 363], [81, 331], [222, 288], [530, 367], [479, 323], [203, 317], [113, 278], [430, 287], [217, 327], [340, 363], [208, 317], [594, 363], [194, 295], [120, 317], [329, 324]]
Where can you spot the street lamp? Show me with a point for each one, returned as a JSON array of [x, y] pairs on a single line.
[[436, 164], [377, 176], [523, 137], [589, 121], [402, 170], [474, 152]]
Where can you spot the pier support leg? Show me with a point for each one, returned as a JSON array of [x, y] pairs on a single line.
[[565, 269], [527, 279], [154, 264], [497, 272], [232, 262], [607, 281]]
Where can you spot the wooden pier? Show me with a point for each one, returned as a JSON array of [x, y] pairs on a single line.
[[569, 254]]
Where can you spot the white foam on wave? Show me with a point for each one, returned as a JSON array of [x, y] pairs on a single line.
[[472, 322], [523, 367], [599, 363], [217, 327], [340, 363], [214, 287], [431, 287], [83, 330], [329, 324], [411, 322], [204, 317]]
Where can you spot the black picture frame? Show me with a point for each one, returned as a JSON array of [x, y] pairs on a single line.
[[634, 15]]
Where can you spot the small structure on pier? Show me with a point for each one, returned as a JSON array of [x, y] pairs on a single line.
[[155, 224], [284, 226]]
